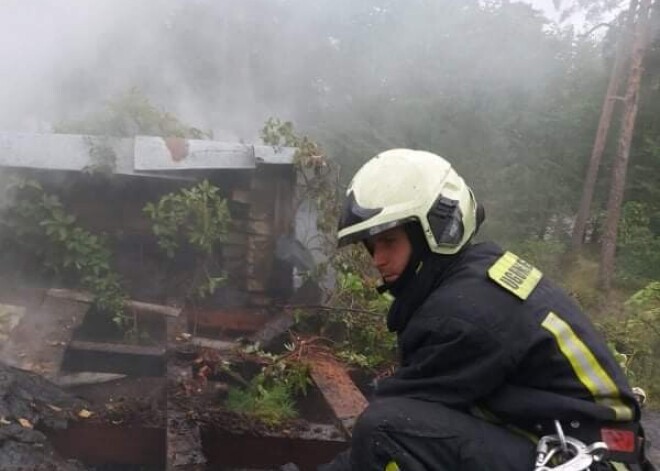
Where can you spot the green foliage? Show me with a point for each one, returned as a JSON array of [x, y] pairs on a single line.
[[196, 216], [103, 156], [131, 114], [270, 395], [317, 173], [543, 254], [270, 405], [638, 247], [40, 224], [636, 335], [356, 319], [360, 314]]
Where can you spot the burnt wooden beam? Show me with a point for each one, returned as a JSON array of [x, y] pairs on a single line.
[[122, 348], [132, 360]]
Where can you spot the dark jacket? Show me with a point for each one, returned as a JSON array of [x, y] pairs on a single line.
[[484, 331]]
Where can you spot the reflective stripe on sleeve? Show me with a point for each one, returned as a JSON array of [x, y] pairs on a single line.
[[585, 365]]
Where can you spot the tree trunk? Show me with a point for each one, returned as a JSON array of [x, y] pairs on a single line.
[[631, 102], [603, 129]]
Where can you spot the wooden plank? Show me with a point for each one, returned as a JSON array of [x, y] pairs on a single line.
[[148, 308], [141, 307], [39, 340], [222, 345], [121, 348], [273, 329], [236, 320], [340, 392]]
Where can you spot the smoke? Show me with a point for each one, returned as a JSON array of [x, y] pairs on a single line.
[[225, 66], [62, 59]]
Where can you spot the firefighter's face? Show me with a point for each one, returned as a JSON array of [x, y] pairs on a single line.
[[390, 251]]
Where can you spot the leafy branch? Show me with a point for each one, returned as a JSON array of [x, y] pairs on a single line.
[[196, 216], [41, 224]]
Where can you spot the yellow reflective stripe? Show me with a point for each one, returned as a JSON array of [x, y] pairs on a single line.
[[515, 275], [618, 466], [590, 373], [392, 466]]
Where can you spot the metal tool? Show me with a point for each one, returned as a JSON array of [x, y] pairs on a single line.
[[570, 453]]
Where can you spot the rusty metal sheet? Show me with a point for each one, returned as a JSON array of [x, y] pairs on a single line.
[[342, 395], [97, 444], [309, 449]]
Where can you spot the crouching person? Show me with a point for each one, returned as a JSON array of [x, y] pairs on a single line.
[[500, 370]]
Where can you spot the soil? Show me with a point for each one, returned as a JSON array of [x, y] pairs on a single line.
[[128, 401]]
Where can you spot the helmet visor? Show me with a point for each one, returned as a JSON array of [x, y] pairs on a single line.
[[364, 234], [354, 214]]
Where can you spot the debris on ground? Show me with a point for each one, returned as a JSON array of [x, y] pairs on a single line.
[[29, 403]]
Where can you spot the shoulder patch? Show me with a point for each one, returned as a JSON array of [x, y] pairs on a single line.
[[515, 275]]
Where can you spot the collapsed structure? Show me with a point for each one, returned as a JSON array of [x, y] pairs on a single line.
[[148, 398]]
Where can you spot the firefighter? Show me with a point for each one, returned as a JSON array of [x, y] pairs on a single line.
[[498, 366]]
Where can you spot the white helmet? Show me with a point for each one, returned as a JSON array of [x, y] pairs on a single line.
[[402, 185]]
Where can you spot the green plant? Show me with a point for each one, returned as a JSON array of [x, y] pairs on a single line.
[[270, 405], [41, 225], [354, 312], [129, 114], [635, 334], [102, 155], [317, 175], [270, 395], [196, 216]]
